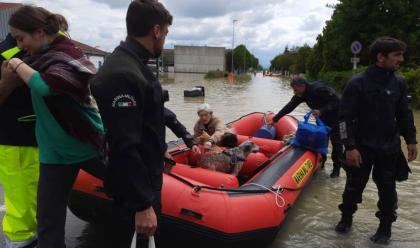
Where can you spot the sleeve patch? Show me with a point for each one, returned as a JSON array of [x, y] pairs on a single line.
[[124, 101]]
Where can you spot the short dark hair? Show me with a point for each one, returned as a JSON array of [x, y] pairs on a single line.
[[385, 45], [298, 81], [30, 19], [142, 15], [229, 140]]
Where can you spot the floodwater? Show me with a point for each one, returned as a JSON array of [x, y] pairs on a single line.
[[311, 222]]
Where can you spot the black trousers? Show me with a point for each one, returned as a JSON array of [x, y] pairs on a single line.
[[124, 225], [384, 173], [337, 146], [55, 183]]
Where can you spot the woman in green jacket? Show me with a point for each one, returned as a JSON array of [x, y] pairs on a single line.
[[68, 127]]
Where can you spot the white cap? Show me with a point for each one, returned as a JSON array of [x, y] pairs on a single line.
[[204, 107]]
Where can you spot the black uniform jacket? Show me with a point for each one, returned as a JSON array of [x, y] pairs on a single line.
[[15, 131], [318, 95], [374, 111], [130, 101]]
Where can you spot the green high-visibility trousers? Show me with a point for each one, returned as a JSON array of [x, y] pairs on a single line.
[[19, 173]]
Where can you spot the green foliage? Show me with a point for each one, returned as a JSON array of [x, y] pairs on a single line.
[[243, 60], [215, 74], [365, 21], [338, 79], [413, 84], [294, 60]]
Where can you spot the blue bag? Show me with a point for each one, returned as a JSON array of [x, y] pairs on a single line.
[[266, 131], [312, 137]]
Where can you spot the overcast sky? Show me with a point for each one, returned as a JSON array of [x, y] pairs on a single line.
[[264, 26]]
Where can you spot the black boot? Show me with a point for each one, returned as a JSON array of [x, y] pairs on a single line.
[[344, 225], [383, 234], [335, 172]]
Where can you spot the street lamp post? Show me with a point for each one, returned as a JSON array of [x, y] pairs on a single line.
[[233, 42]]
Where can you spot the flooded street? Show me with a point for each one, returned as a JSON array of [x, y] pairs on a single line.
[[311, 222]]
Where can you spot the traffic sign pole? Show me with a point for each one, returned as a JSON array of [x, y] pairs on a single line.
[[356, 48]]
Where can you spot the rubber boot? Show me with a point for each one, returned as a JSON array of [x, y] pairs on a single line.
[[344, 225], [383, 234], [336, 171]]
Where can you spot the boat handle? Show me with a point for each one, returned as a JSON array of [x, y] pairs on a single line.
[[191, 213]]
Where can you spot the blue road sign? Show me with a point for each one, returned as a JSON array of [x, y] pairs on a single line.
[[356, 47]]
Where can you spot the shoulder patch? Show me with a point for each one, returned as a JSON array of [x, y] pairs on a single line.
[[124, 101]]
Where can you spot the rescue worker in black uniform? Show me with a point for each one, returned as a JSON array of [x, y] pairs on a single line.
[[324, 102], [374, 113], [131, 102]]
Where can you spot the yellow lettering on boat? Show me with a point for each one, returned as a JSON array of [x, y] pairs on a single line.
[[302, 172]]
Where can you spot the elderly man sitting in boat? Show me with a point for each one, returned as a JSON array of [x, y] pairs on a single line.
[[210, 130]]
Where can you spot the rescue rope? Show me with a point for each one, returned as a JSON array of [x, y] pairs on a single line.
[[278, 192]]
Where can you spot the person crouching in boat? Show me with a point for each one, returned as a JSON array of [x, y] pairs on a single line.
[[211, 130], [68, 127]]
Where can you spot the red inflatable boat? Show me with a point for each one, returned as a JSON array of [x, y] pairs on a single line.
[[203, 208]]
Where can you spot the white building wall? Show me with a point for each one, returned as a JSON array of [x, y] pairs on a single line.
[[194, 59], [98, 61]]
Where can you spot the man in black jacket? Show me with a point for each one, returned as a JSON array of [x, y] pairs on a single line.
[[374, 113], [19, 162], [324, 102], [131, 104]]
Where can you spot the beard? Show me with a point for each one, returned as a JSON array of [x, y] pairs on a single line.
[[157, 49]]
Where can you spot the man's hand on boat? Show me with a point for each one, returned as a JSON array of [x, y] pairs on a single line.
[[196, 149], [207, 145], [354, 158], [412, 152], [146, 222]]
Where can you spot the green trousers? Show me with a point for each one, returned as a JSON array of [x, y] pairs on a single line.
[[19, 172]]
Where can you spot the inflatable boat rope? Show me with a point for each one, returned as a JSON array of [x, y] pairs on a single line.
[[277, 190]]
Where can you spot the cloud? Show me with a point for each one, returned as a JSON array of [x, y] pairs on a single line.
[[265, 27]]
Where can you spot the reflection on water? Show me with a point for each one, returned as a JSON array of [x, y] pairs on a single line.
[[311, 221]]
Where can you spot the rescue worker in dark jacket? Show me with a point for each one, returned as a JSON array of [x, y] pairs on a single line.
[[19, 160], [180, 130], [374, 113], [324, 102], [131, 102]]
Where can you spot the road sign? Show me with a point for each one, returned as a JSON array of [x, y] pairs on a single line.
[[356, 47], [355, 60]]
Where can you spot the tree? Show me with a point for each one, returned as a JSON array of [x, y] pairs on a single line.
[[243, 60], [365, 21]]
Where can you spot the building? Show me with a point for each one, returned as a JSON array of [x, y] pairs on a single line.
[[6, 10], [199, 59], [96, 56]]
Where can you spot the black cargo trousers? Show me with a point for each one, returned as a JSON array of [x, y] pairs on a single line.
[[384, 165], [336, 143]]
